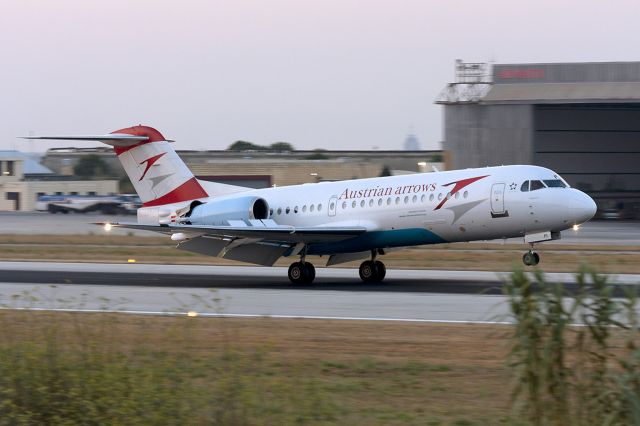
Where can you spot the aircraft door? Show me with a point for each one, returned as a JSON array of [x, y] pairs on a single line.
[[497, 200], [333, 206]]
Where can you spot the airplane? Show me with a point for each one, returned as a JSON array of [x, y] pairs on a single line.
[[343, 221]]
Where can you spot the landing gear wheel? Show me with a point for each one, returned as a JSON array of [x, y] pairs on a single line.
[[531, 258], [301, 273], [382, 271], [368, 271], [311, 272], [372, 271]]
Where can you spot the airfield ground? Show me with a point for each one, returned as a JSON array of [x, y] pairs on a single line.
[[290, 371], [460, 256]]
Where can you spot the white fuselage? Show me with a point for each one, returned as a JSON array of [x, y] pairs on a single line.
[[427, 208]]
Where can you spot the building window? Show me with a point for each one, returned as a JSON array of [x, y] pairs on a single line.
[[10, 168], [92, 193]]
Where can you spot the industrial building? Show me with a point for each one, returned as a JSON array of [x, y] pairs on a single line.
[[261, 169], [23, 179], [580, 119]]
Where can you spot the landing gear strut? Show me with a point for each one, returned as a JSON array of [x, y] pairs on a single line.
[[372, 271], [302, 272], [531, 258]]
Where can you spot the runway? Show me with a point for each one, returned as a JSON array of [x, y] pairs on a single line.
[[407, 295]]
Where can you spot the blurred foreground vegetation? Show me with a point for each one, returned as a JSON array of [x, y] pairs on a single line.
[[565, 374]]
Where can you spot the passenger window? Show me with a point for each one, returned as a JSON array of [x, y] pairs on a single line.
[[353, 205], [362, 203], [270, 212], [371, 202], [379, 201], [397, 200], [332, 206], [279, 210], [295, 209], [525, 186], [431, 197], [440, 196], [319, 207], [389, 201], [311, 208], [422, 198], [406, 199], [304, 208], [466, 194], [344, 205], [415, 199], [287, 210], [536, 184]]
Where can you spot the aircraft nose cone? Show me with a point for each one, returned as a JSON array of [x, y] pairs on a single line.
[[583, 207]]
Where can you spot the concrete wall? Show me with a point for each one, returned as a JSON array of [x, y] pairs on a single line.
[[479, 135]]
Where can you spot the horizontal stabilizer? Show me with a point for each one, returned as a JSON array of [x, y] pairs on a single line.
[[113, 139], [281, 234]]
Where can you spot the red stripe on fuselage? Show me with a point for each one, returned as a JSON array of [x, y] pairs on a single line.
[[458, 186], [150, 132], [190, 190]]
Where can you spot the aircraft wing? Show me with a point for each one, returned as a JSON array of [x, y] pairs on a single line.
[[277, 234]]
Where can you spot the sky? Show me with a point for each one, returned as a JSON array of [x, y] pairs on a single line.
[[332, 74]]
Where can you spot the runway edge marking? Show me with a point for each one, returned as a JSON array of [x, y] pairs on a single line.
[[228, 315]]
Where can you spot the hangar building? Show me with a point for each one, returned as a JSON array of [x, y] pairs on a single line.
[[580, 119]]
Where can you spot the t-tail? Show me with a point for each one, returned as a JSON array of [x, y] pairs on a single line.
[[157, 173]]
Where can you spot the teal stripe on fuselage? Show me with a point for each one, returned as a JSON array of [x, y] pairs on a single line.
[[378, 239]]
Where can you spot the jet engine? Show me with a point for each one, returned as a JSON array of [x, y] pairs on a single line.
[[221, 212]]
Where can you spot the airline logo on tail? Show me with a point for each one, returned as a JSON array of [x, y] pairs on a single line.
[[150, 162]]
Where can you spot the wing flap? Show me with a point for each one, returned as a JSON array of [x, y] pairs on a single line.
[[280, 234]]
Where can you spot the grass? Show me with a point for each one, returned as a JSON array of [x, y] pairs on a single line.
[[459, 256], [64, 368]]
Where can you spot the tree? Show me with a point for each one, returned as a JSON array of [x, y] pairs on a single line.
[[91, 166], [385, 171], [281, 147], [318, 154], [245, 146]]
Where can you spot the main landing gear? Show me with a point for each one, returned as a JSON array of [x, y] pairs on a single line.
[[531, 258], [372, 271], [302, 272]]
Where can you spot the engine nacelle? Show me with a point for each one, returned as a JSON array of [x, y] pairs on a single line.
[[219, 213]]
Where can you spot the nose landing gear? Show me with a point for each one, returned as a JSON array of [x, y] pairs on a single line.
[[372, 271], [531, 258]]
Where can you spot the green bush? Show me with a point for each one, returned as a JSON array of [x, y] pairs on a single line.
[[574, 356]]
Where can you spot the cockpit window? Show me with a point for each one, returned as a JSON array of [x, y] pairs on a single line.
[[536, 184], [525, 186], [555, 183]]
